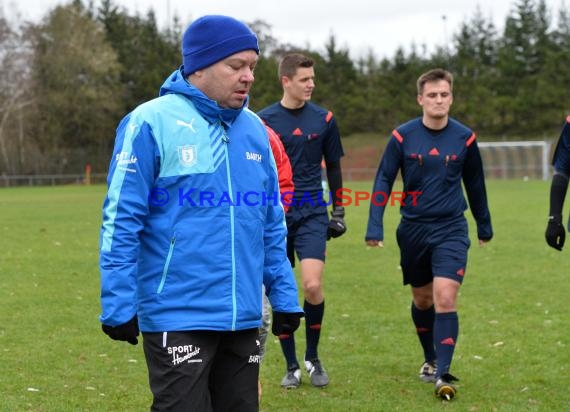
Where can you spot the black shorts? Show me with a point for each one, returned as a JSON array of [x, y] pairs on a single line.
[[307, 227], [206, 371], [433, 249]]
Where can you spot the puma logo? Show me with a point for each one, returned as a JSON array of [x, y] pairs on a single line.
[[188, 125]]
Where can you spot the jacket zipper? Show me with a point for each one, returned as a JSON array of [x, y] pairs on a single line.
[[226, 140]]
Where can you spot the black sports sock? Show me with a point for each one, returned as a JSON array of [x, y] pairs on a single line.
[[423, 320], [313, 318], [288, 348], [446, 330]]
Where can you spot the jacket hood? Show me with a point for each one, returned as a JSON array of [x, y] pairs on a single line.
[[177, 84]]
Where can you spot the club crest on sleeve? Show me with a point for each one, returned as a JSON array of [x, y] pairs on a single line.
[[188, 155]]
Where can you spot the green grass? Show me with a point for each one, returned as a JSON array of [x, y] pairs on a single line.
[[512, 353]]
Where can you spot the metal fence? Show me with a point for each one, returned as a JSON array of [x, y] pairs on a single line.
[[349, 175], [51, 180], [96, 178]]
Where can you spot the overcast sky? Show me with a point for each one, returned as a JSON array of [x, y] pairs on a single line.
[[360, 25]]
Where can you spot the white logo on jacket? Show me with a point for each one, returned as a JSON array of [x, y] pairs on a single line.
[[253, 156], [187, 155], [126, 162], [125, 158], [188, 125]]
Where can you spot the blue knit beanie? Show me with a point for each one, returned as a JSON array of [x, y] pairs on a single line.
[[210, 39]]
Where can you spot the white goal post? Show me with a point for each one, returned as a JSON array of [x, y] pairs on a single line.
[[512, 160]]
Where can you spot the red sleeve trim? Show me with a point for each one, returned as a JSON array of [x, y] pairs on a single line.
[[470, 140], [329, 116], [398, 136], [276, 145], [284, 171]]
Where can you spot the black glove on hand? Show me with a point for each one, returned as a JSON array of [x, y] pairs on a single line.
[[285, 323], [127, 331], [337, 226], [555, 232]]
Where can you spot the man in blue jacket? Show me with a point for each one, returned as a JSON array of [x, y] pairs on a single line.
[[193, 226], [434, 153]]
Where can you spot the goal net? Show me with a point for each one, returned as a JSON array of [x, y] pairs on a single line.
[[516, 160]]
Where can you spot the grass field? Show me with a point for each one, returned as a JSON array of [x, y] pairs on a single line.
[[513, 351]]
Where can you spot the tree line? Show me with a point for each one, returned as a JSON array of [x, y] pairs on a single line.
[[67, 80]]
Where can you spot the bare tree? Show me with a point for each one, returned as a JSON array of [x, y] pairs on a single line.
[[14, 83], [75, 74]]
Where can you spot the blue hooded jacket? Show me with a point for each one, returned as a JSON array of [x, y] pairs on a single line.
[[192, 223]]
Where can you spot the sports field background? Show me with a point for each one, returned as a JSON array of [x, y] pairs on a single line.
[[513, 351]]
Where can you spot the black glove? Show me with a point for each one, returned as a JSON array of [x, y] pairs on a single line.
[[127, 331], [555, 232], [285, 323], [337, 226]]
